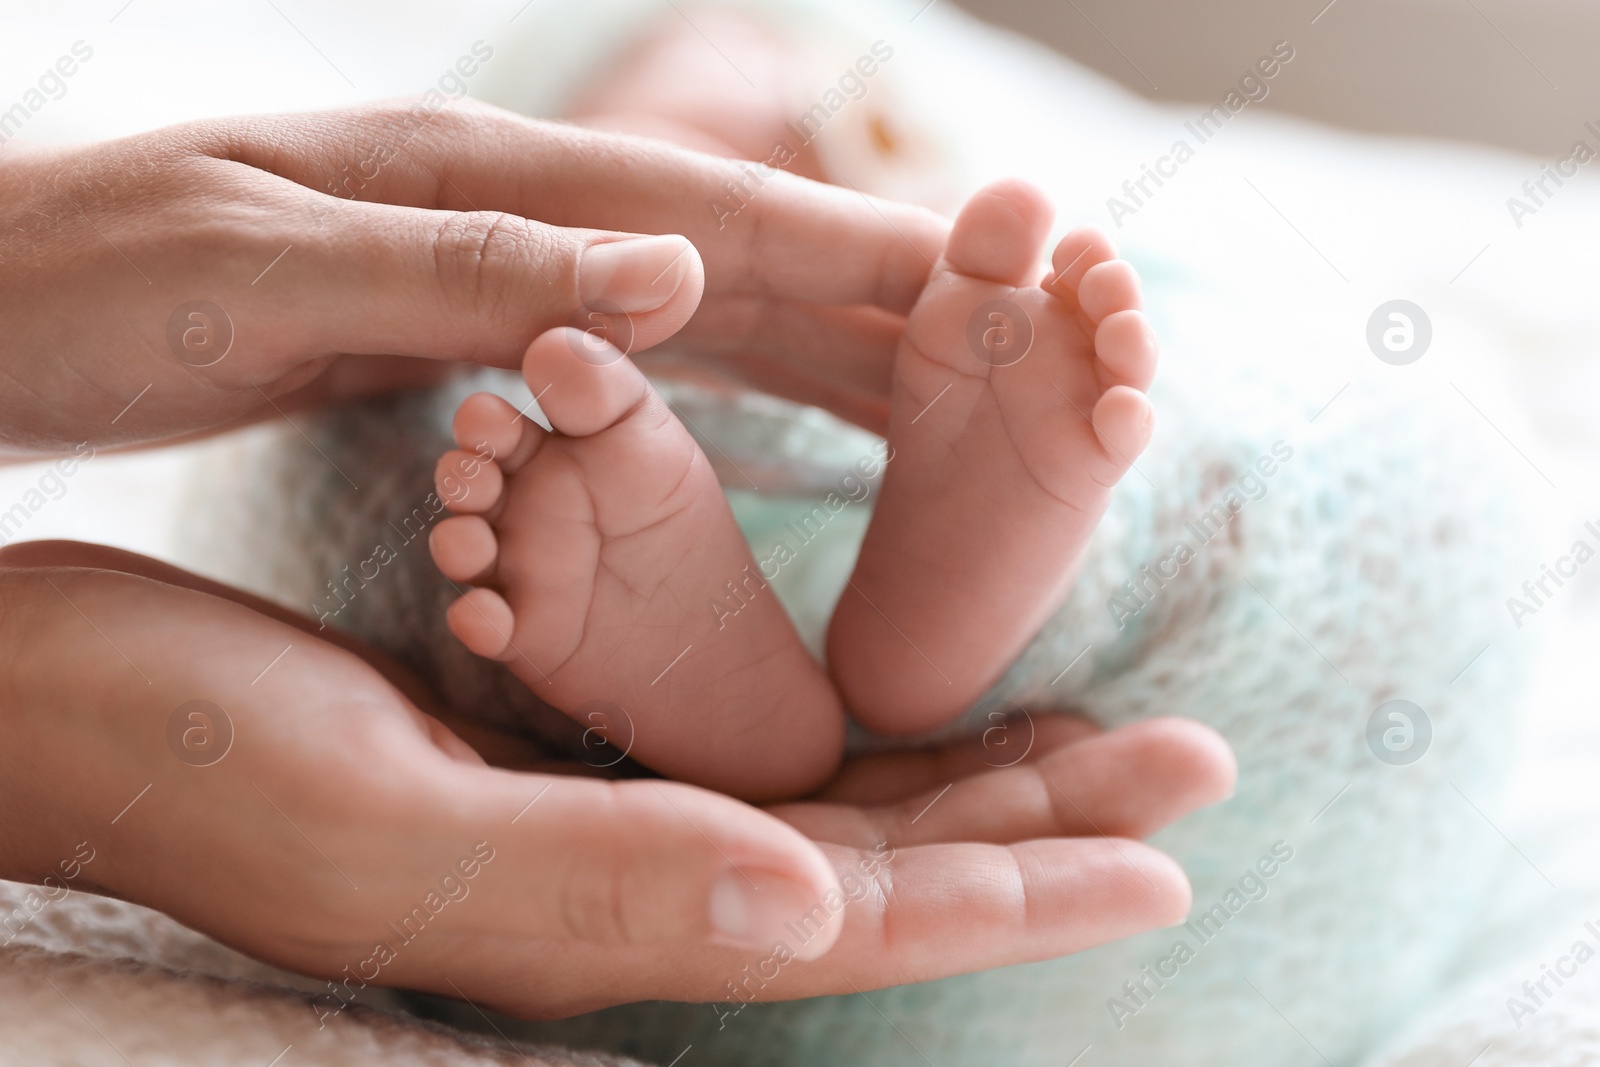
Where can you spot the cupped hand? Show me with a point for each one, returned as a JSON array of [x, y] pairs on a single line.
[[180, 280], [313, 816]]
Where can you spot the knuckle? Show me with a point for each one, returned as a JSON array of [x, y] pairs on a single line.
[[408, 119], [593, 905], [445, 127], [470, 115], [444, 131], [477, 256]]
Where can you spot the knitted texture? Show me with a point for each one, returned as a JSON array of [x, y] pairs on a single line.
[[99, 983]]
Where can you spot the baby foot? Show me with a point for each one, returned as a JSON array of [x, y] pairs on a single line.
[[1015, 409], [608, 568]]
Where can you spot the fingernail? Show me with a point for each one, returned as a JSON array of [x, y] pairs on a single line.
[[639, 274], [756, 910]]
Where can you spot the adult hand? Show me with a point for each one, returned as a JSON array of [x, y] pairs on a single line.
[[342, 832], [181, 280]]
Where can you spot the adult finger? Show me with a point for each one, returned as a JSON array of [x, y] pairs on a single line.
[[465, 285], [760, 230], [638, 863], [909, 915], [1018, 903], [839, 359], [888, 777], [1129, 782]]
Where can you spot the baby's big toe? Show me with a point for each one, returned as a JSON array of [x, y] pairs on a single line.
[[584, 385], [999, 234]]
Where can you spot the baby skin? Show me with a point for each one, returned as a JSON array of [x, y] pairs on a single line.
[[593, 552], [1018, 402]]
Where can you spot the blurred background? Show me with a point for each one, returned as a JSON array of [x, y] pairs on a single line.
[[1514, 73], [1518, 74]]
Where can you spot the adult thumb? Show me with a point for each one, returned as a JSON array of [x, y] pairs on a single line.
[[480, 285], [637, 862]]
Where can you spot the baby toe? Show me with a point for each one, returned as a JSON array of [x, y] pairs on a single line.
[[482, 621], [488, 419], [1079, 250], [999, 234], [464, 548], [1123, 420], [467, 483], [1126, 347], [491, 427], [1109, 287]]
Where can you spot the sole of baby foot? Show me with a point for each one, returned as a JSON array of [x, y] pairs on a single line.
[[1017, 405], [608, 574]]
